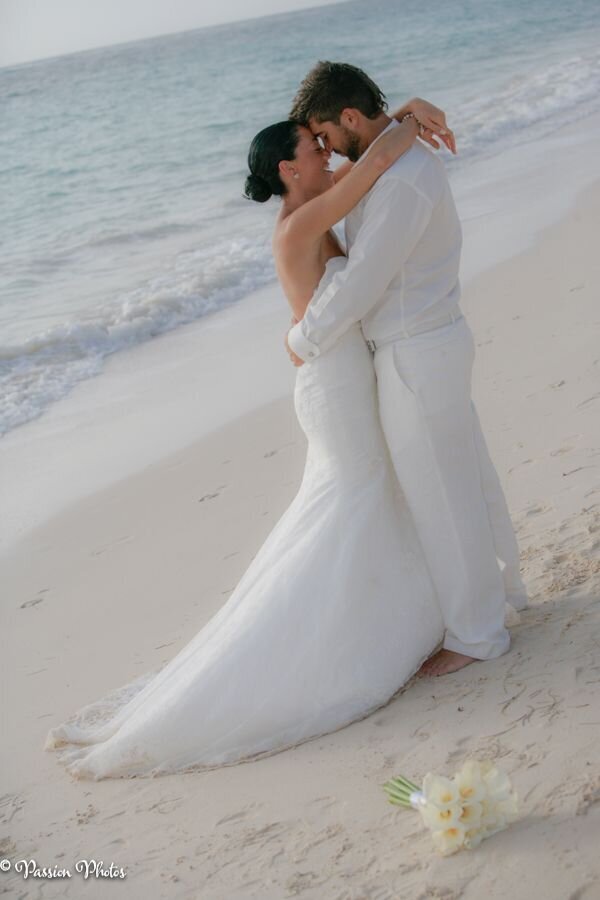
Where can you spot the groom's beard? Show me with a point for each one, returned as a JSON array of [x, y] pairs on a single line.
[[351, 146]]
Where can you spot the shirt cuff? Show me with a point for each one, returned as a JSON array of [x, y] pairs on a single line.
[[301, 346]]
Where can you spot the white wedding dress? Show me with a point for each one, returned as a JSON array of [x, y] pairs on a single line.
[[335, 613]]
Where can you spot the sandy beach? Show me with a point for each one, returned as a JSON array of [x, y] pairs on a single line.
[[116, 583]]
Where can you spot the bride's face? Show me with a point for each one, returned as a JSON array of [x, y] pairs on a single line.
[[311, 163]]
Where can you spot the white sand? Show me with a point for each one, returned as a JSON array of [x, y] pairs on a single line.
[[119, 582]]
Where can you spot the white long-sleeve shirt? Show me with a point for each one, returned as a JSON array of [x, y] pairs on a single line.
[[404, 241]]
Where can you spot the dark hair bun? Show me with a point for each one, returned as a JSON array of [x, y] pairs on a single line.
[[257, 188]]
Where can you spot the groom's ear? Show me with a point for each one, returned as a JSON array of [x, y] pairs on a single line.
[[350, 118]]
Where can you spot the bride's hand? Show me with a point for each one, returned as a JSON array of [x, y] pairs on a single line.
[[433, 122], [296, 361]]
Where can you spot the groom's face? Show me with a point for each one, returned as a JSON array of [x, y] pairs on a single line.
[[337, 138]]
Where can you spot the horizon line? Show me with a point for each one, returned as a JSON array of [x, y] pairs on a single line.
[[164, 34]]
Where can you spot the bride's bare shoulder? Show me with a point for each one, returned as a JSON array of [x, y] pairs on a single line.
[[283, 235], [281, 245], [292, 251]]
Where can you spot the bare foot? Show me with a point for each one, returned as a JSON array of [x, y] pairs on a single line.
[[443, 662]]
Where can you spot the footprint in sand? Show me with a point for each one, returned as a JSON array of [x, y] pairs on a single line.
[[561, 451], [240, 814], [457, 755], [120, 842], [578, 469], [525, 462], [324, 802], [374, 892], [10, 805], [7, 846], [589, 400], [536, 509], [576, 796], [213, 495], [382, 720], [84, 817], [36, 600], [125, 539], [166, 805], [29, 603]]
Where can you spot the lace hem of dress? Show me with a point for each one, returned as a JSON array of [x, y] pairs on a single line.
[[92, 724], [89, 723]]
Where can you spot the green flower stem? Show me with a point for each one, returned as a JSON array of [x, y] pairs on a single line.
[[396, 795], [399, 801], [398, 792], [401, 780]]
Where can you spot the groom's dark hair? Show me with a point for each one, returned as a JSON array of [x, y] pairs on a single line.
[[331, 87]]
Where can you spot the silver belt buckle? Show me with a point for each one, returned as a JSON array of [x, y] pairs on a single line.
[[371, 345]]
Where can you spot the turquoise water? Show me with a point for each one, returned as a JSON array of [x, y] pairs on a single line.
[[122, 169]]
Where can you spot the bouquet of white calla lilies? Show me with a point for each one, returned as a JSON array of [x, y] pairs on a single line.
[[460, 811]]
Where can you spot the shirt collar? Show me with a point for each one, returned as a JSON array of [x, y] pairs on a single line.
[[393, 124]]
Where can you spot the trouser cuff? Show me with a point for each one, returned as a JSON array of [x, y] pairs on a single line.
[[480, 650]]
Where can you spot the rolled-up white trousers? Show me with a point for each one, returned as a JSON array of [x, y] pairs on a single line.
[[450, 483]]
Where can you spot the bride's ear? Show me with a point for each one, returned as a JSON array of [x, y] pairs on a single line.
[[286, 169]]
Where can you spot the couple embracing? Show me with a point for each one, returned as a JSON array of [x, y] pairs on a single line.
[[397, 554]]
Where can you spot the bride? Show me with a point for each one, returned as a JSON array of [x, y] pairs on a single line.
[[337, 611]]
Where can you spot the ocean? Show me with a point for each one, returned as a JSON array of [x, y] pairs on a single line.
[[122, 169]]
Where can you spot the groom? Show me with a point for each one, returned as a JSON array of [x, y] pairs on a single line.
[[401, 282]]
